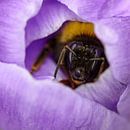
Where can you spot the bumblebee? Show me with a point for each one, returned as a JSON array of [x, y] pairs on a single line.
[[76, 49]]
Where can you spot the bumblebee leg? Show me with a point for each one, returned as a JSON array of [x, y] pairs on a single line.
[[102, 64], [99, 59], [68, 48], [60, 60], [37, 64], [68, 83], [101, 67]]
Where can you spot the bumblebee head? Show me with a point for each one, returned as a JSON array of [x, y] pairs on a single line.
[[82, 61]]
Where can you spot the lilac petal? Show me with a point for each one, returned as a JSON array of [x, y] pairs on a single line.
[[88, 10], [124, 104], [115, 8], [92, 10], [114, 34], [13, 17], [51, 16], [47, 68], [27, 104], [106, 90]]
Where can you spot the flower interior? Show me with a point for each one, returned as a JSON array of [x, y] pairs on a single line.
[[77, 52]]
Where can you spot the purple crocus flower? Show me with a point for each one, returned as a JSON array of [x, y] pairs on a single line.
[[37, 102]]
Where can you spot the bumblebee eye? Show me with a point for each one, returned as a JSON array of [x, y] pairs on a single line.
[[77, 73]]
